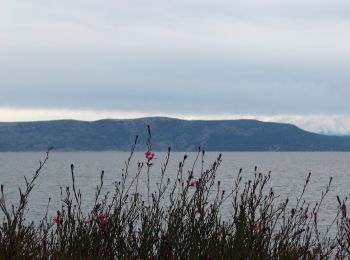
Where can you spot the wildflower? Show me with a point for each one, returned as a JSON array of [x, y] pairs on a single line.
[[193, 183], [102, 219], [149, 155], [59, 219], [256, 227]]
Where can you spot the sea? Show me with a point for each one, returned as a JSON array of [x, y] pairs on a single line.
[[289, 171]]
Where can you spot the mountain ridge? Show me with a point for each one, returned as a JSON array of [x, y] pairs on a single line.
[[179, 134]]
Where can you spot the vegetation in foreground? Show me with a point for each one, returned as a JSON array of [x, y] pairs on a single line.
[[179, 220]]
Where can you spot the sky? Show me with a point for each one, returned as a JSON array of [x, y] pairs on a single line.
[[272, 60]]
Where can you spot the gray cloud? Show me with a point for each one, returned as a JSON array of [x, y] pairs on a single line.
[[175, 85], [194, 57]]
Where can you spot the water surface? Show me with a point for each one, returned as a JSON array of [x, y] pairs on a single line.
[[288, 174]]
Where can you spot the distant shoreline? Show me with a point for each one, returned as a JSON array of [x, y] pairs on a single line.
[[181, 135]]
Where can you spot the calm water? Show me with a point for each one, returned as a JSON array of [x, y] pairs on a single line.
[[289, 171]]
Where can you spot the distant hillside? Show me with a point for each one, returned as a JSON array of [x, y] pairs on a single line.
[[183, 135]]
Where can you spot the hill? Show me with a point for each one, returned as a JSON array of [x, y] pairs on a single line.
[[183, 135]]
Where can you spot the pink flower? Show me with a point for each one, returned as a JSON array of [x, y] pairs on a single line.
[[149, 155], [193, 183], [59, 219], [256, 227], [102, 219]]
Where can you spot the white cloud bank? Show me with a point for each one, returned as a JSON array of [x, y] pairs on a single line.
[[326, 124]]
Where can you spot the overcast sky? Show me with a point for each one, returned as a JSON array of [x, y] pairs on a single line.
[[272, 60]]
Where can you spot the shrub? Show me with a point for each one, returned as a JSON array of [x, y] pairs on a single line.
[[181, 219]]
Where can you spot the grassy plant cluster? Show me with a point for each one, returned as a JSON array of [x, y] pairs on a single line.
[[180, 219]]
